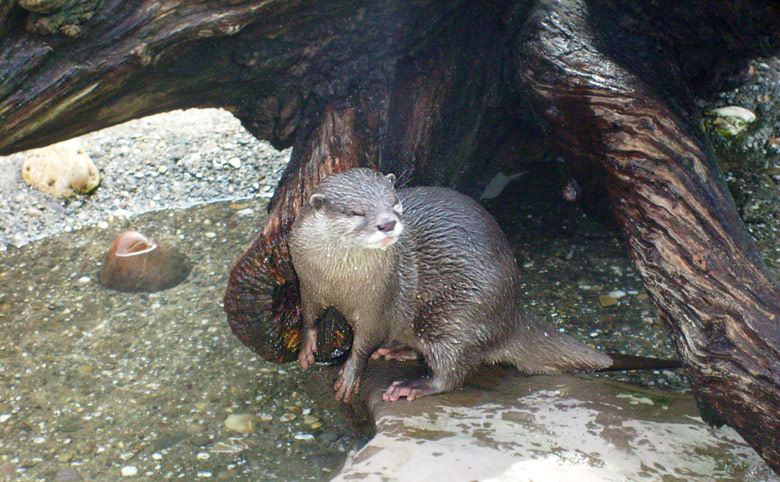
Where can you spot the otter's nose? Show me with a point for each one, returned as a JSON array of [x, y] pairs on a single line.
[[386, 227]]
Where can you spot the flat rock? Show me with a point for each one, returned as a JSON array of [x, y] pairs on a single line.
[[62, 170], [502, 427]]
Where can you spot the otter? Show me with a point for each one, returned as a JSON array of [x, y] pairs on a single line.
[[424, 266]]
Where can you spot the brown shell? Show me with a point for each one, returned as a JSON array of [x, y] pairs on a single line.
[[136, 263], [262, 303]]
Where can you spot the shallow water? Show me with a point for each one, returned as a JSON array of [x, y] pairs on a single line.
[[94, 381]]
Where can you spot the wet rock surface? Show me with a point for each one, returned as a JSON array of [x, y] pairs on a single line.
[[503, 427]]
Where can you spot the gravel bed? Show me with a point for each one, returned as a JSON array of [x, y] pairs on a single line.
[[172, 160]]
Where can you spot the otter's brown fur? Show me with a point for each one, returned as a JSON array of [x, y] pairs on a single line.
[[433, 272]]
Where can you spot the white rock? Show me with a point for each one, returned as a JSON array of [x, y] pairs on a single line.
[[731, 120], [62, 170], [241, 422], [617, 294], [129, 471], [235, 162]]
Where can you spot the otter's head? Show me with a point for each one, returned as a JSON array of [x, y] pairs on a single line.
[[361, 208]]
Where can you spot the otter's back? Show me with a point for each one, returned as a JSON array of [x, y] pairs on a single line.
[[462, 258]]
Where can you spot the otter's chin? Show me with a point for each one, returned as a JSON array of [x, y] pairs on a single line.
[[383, 243]]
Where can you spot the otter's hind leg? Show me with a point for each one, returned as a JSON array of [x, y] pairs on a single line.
[[449, 367]]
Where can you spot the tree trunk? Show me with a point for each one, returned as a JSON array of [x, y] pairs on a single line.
[[446, 93], [697, 261]]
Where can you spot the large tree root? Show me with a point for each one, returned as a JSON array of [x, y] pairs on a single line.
[[687, 241]]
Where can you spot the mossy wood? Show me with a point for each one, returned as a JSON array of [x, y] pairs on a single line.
[[442, 93]]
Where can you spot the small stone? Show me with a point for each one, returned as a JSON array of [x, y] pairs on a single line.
[[102, 225], [210, 234], [31, 211], [607, 301], [309, 419], [129, 471], [731, 120], [203, 456], [64, 458], [243, 423], [204, 475], [617, 294], [162, 169], [127, 456], [84, 280], [304, 436], [67, 474], [287, 417], [157, 456], [235, 162], [62, 170], [315, 425], [238, 206], [5, 417], [266, 417]]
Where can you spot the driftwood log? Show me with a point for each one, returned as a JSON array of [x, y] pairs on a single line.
[[444, 93]]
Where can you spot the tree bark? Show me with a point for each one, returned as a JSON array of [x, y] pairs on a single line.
[[444, 93]]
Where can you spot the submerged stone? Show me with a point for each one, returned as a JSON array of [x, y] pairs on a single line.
[[136, 263]]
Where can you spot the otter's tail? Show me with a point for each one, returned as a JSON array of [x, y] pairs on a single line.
[[541, 350]]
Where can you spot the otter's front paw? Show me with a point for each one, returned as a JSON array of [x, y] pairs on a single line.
[[346, 386], [307, 350]]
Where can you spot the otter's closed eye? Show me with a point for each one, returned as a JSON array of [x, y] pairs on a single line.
[[356, 213]]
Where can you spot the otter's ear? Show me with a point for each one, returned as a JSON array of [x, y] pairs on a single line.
[[317, 201], [391, 177]]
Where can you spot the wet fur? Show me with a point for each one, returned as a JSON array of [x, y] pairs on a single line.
[[449, 286]]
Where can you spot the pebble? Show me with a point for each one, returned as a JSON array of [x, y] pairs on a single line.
[[243, 423], [4, 417], [129, 471], [617, 294], [607, 301], [235, 162], [102, 225], [287, 417], [210, 234], [203, 456]]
